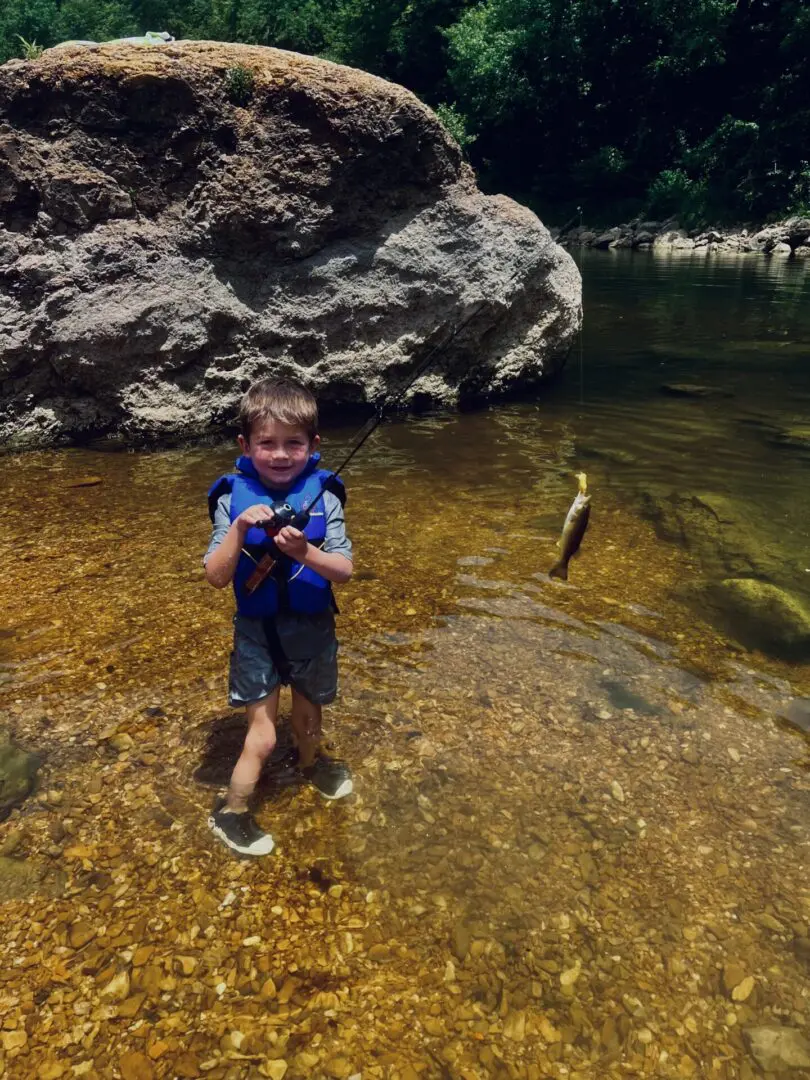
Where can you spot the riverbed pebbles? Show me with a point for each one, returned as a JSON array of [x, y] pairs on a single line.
[[529, 881]]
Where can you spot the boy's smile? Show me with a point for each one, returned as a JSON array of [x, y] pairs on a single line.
[[279, 451]]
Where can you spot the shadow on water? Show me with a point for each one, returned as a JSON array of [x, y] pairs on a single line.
[[577, 846]]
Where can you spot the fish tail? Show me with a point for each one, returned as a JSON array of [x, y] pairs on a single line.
[[559, 570]]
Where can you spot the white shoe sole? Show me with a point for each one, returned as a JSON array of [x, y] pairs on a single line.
[[261, 847], [346, 788]]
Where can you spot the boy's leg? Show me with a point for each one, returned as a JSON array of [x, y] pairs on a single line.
[[331, 778], [230, 820], [305, 721], [259, 744]]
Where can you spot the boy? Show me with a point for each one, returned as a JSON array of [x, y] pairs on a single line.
[[284, 628]]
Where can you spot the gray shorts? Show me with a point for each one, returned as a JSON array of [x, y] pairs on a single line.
[[309, 645]]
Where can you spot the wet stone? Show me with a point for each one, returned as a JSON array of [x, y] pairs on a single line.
[[18, 770], [136, 1066], [777, 1048], [460, 943], [733, 975], [18, 878], [693, 390], [797, 713]]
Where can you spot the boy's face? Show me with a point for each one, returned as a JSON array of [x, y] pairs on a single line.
[[278, 451]]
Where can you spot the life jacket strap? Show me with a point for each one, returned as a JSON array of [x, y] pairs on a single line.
[[280, 659]]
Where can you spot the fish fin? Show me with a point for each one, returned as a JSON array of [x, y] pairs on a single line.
[[559, 570]]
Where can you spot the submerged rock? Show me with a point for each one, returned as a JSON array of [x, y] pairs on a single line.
[[18, 770], [18, 878], [797, 714], [732, 537], [796, 437], [765, 616], [778, 1048], [164, 244], [693, 390]]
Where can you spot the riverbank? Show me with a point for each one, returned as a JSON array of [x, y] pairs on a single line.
[[790, 238]]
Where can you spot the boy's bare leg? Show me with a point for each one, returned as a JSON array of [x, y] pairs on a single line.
[[331, 778], [259, 743], [305, 721]]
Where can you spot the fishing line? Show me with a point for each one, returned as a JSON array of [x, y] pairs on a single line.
[[374, 422], [581, 371], [284, 514]]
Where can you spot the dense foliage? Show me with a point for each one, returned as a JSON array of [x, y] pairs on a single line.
[[694, 107]]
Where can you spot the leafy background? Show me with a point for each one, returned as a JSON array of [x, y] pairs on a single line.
[[693, 108]]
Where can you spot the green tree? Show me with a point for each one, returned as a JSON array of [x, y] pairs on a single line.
[[30, 19], [94, 20]]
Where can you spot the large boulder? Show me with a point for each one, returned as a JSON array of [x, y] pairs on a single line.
[[178, 220]]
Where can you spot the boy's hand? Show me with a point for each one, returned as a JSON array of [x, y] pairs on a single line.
[[253, 515], [293, 543]]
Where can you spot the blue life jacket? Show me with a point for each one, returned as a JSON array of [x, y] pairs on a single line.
[[292, 586]]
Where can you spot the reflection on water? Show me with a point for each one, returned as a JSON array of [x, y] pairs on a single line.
[[579, 843]]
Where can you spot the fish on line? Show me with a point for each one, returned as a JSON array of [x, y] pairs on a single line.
[[574, 529]]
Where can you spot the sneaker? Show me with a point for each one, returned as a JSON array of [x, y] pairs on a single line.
[[239, 831], [331, 778]]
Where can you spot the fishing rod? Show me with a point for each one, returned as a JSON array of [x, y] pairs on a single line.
[[285, 515]]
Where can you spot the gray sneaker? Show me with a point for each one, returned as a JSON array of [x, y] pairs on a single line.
[[331, 778], [239, 831]]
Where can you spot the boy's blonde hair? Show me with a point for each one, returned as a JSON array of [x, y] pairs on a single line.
[[285, 400]]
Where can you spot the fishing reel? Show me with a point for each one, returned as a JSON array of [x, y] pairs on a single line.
[[283, 515]]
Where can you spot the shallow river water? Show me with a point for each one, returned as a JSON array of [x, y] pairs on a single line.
[[579, 841]]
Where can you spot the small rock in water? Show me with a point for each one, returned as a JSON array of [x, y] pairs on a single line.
[[18, 770], [276, 1070], [743, 990], [514, 1026], [617, 791], [798, 714], [122, 741], [693, 390], [18, 878], [80, 933], [12, 841], [460, 943], [85, 481], [136, 1066], [733, 975], [570, 975], [117, 989], [474, 560], [338, 1067]]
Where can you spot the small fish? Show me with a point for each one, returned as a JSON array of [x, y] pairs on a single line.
[[576, 522]]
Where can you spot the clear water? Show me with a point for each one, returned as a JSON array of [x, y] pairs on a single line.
[[578, 846]]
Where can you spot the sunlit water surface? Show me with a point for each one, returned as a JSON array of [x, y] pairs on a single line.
[[578, 844]]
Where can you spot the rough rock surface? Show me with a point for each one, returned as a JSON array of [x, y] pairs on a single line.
[[779, 1048], [161, 245]]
